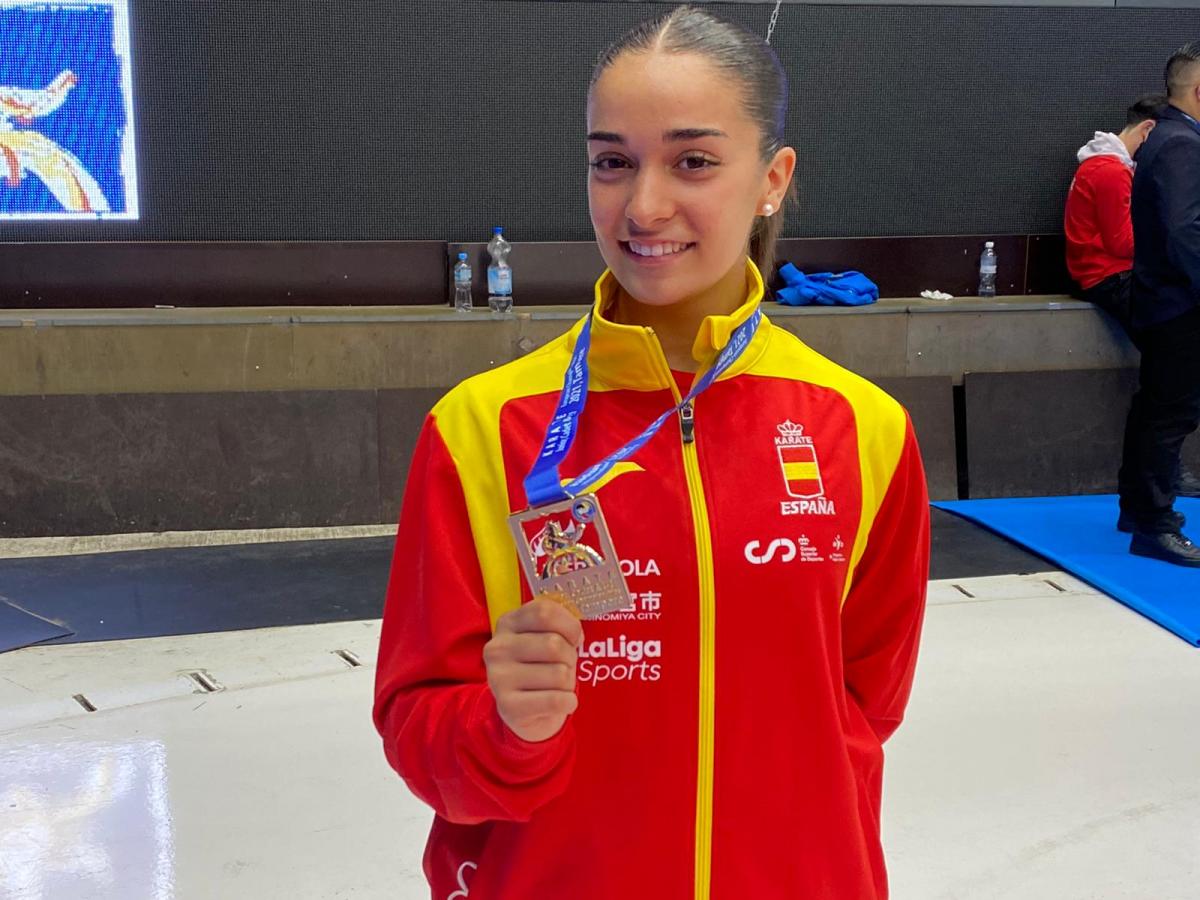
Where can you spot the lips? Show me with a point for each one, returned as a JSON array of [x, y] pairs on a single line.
[[655, 250]]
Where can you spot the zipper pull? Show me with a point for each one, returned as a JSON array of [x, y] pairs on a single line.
[[687, 422]]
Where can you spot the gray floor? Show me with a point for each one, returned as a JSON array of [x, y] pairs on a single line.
[[1049, 754], [164, 590]]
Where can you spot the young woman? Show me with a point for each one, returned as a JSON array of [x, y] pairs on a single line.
[[721, 737]]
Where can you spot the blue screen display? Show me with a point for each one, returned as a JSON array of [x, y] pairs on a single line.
[[66, 111]]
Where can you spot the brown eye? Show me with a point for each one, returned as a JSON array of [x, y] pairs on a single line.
[[696, 163], [608, 164]]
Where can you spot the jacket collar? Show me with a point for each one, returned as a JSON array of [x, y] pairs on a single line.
[[1174, 112], [629, 356]]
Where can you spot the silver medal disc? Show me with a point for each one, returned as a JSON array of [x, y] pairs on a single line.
[[565, 547]]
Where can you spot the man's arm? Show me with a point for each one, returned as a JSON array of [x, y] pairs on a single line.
[[1176, 181]]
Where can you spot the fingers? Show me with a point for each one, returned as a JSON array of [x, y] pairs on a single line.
[[546, 677], [531, 667], [533, 706], [543, 615]]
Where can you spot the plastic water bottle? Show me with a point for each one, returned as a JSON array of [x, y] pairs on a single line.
[[462, 284], [987, 271], [500, 285]]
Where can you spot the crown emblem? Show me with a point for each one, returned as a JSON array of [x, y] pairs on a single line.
[[790, 429]]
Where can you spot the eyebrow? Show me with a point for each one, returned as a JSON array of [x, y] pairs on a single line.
[[678, 134]]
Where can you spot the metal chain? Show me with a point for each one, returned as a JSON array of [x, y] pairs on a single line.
[[774, 19]]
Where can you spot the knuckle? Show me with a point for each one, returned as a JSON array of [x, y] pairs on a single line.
[[495, 652], [543, 613], [567, 678]]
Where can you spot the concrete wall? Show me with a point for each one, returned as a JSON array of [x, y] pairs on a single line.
[[182, 350], [159, 420]]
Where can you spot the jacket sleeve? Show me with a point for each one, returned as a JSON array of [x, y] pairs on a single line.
[[433, 707], [1113, 189], [882, 616], [1177, 179]]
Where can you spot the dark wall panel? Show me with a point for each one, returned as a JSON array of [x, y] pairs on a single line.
[[1031, 434], [120, 463], [930, 404], [388, 120], [163, 462], [221, 273], [401, 414]]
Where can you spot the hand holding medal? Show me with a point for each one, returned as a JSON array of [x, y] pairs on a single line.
[[531, 667]]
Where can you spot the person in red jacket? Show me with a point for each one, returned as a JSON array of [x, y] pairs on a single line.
[[1099, 231], [1097, 222], [718, 731]]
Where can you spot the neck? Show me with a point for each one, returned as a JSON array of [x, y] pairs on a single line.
[[1188, 106], [1127, 139], [676, 324]]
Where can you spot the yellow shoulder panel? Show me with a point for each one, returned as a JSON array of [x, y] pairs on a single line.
[[468, 418]]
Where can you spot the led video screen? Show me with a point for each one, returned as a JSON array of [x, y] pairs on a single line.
[[67, 148]]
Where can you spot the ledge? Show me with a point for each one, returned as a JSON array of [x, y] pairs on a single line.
[[357, 315]]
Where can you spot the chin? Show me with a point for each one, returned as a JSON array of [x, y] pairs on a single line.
[[652, 291]]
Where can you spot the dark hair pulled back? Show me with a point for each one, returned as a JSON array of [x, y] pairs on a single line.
[[750, 63]]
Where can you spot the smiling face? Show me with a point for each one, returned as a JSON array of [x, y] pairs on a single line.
[[676, 176]]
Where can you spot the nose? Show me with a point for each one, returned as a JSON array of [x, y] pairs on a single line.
[[650, 202]]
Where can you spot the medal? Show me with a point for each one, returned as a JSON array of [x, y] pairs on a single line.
[[567, 553], [563, 541]]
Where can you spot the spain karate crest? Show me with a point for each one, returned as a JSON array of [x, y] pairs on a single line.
[[798, 462]]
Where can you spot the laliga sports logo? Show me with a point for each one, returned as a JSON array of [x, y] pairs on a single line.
[[619, 660], [801, 473]]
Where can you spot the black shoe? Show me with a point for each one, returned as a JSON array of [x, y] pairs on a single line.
[[1171, 547], [1188, 484]]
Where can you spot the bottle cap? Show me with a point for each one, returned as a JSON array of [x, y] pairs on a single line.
[[498, 229], [990, 244], [462, 256]]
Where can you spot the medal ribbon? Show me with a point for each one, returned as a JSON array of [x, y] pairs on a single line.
[[543, 484]]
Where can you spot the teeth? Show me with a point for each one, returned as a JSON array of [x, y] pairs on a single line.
[[657, 249]]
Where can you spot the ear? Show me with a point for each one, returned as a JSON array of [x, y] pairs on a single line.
[[777, 177]]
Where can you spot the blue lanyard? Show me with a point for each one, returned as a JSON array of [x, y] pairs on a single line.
[[1191, 121], [543, 484]]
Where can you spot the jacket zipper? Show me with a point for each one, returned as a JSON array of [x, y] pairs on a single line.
[[687, 423], [704, 564]]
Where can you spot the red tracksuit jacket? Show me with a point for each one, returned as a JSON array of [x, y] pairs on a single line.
[[728, 739], [1097, 222]]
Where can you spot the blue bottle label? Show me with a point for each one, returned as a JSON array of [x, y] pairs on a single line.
[[499, 280]]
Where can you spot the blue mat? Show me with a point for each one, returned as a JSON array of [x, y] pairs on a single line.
[[19, 628], [1079, 534]]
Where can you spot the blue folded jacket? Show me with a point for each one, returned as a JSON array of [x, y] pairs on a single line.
[[826, 288]]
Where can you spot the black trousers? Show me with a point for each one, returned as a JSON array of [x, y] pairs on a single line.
[[1114, 296], [1165, 410]]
